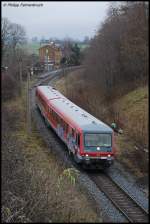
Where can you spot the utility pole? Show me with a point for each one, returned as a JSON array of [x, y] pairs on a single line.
[[63, 71], [47, 59], [28, 104], [20, 75]]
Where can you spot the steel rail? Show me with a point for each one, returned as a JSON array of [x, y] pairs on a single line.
[[101, 179], [131, 197]]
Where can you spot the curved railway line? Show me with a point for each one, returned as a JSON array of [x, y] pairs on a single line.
[[122, 201], [129, 208]]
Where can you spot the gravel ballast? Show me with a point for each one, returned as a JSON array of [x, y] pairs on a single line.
[[128, 182]]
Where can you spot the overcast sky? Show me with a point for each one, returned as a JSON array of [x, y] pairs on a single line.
[[57, 19]]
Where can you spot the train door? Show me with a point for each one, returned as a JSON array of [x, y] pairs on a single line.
[[65, 130], [71, 139], [77, 141]]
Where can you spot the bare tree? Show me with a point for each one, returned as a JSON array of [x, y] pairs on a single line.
[[5, 34], [67, 48], [12, 34], [118, 55], [18, 35]]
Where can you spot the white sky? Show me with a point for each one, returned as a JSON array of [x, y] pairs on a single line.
[[57, 19]]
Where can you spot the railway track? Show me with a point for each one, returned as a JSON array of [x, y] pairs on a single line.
[[132, 211]]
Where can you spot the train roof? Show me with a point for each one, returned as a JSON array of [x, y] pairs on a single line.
[[83, 119]]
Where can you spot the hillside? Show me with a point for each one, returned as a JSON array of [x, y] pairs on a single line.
[[130, 112], [133, 144]]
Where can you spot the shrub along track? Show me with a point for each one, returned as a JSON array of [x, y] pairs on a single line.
[[129, 210]]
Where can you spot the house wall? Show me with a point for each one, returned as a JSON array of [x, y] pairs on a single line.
[[51, 53]]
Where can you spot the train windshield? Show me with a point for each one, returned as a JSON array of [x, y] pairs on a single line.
[[94, 139]]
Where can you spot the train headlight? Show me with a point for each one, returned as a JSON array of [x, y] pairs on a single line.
[[109, 155], [98, 148], [87, 157]]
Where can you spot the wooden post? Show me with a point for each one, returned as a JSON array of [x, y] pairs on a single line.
[[20, 75], [63, 70], [28, 105]]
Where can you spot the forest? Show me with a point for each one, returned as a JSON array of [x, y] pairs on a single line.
[[117, 60]]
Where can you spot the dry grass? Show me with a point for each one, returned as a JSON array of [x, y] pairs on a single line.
[[35, 187], [133, 117], [131, 156], [133, 111]]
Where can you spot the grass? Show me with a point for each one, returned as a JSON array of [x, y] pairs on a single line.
[[133, 113], [133, 110], [35, 187]]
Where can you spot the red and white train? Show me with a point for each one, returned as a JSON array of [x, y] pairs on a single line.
[[89, 140]]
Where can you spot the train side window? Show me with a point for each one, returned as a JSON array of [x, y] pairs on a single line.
[[76, 136], [63, 125], [78, 139], [71, 132], [67, 127], [56, 119], [59, 120], [54, 116]]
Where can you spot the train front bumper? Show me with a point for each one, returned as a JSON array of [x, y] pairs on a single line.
[[96, 160]]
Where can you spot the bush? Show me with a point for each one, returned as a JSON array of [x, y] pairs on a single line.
[[9, 86]]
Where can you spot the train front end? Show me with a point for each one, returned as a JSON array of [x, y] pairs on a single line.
[[98, 148]]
